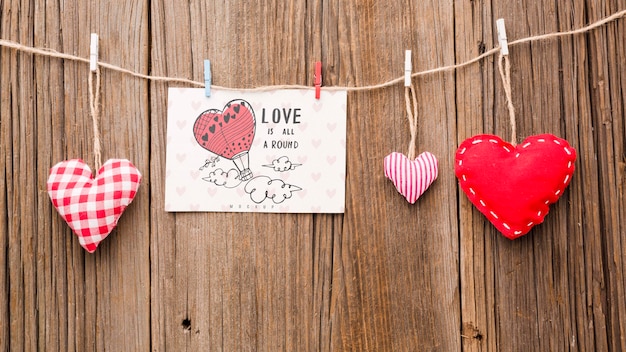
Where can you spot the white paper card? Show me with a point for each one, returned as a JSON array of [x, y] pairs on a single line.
[[279, 151]]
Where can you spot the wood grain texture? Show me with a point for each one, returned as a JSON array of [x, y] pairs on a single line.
[[384, 276], [59, 297], [549, 290]]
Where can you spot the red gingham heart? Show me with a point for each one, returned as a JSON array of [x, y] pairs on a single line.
[[92, 206], [411, 178], [513, 186]]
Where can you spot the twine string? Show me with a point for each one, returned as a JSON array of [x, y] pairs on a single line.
[[410, 99], [504, 66], [55, 54], [94, 109]]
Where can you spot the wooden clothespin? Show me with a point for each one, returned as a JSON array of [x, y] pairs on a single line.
[[408, 68], [504, 45], [93, 53], [318, 79]]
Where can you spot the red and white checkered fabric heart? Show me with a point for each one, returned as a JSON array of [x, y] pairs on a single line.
[[411, 177], [92, 206]]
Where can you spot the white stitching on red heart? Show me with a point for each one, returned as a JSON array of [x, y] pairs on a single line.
[[463, 178]]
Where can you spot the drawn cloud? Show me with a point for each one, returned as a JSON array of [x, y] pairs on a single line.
[[228, 179], [282, 164], [263, 187]]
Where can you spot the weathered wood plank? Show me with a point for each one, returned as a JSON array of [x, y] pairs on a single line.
[[576, 105], [234, 281], [111, 287], [54, 327], [21, 201], [474, 103], [5, 134], [58, 296], [608, 122], [384, 276], [532, 297], [165, 286], [6, 88], [398, 265]]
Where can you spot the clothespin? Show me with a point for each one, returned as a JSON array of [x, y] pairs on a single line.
[[93, 53], [318, 79], [504, 46], [207, 78], [408, 67]]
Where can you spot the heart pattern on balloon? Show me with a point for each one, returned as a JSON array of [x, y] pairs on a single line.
[[92, 206], [513, 186], [228, 133], [411, 177]]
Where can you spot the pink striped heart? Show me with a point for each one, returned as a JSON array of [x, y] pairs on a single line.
[[411, 178]]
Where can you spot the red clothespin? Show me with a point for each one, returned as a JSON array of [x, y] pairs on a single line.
[[318, 79]]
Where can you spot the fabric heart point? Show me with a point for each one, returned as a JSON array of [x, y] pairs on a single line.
[[411, 177], [513, 186], [92, 206]]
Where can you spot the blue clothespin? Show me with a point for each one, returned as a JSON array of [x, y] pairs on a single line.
[[207, 78]]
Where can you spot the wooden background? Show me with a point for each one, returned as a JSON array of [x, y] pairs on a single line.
[[386, 275]]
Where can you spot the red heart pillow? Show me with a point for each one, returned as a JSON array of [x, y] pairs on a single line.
[[92, 206], [514, 186]]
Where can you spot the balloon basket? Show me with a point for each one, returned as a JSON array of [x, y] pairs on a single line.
[[245, 175]]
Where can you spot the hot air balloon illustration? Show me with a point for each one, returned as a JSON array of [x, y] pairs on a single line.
[[228, 133]]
